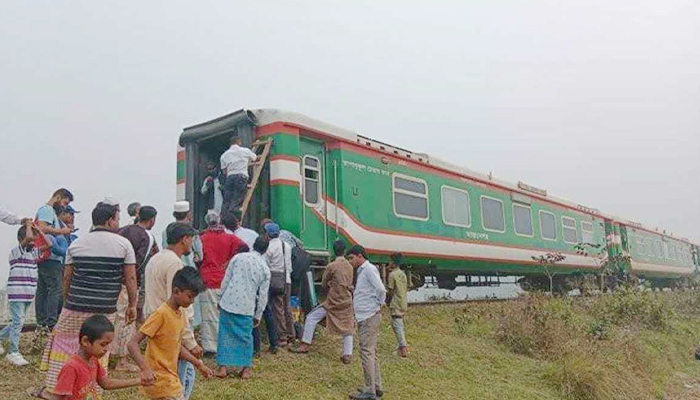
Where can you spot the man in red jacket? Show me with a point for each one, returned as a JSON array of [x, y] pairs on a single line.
[[219, 248]]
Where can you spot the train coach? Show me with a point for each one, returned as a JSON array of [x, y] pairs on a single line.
[[322, 182]]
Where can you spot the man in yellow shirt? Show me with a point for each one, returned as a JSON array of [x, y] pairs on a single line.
[[164, 330], [397, 286]]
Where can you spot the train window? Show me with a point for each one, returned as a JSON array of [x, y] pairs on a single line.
[[665, 247], [672, 252], [569, 230], [492, 214], [548, 225], [455, 207], [522, 220], [312, 180], [587, 232], [640, 247], [659, 252], [410, 197]]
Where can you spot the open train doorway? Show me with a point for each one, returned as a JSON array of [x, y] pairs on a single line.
[[209, 153]]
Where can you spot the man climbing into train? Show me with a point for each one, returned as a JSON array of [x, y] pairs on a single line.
[[337, 309], [234, 165], [211, 190]]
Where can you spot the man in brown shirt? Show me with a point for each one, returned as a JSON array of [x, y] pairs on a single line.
[[337, 309]]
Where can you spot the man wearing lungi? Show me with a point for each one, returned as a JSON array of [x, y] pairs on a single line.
[[96, 266], [243, 300]]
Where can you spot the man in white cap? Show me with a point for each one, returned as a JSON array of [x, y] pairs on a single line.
[[182, 213], [219, 248]]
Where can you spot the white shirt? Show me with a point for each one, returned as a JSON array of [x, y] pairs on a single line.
[[218, 196], [245, 285], [235, 160], [279, 260], [160, 271], [9, 218], [248, 236], [370, 292]]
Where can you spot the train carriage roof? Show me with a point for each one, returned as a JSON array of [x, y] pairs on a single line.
[[266, 116]]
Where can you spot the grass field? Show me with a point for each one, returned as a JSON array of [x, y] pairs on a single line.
[[451, 358]]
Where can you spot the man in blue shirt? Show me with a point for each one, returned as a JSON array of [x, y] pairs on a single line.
[[368, 298], [50, 286]]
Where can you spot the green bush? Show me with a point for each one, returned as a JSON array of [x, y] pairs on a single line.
[[621, 345], [628, 306]]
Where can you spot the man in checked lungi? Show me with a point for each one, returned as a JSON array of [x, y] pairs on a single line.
[[96, 266], [243, 300]]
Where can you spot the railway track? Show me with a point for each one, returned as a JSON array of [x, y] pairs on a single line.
[[463, 301]]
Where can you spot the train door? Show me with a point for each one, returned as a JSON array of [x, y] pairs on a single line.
[[314, 230]]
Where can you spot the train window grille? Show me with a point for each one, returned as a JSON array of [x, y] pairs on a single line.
[[640, 246], [548, 225], [455, 207], [587, 232], [312, 180], [492, 215], [659, 251], [522, 220], [410, 197], [666, 255], [569, 230]]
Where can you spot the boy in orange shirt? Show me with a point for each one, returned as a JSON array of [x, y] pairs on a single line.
[[164, 329]]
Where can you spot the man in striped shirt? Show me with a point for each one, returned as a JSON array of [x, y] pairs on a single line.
[[96, 265], [21, 287]]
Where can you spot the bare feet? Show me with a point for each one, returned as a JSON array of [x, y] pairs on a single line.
[[302, 349], [347, 359], [123, 365], [245, 374], [221, 373], [39, 393], [403, 352]]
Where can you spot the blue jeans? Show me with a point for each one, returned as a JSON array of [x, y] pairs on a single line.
[[271, 330], [49, 293], [187, 374], [12, 331], [397, 325]]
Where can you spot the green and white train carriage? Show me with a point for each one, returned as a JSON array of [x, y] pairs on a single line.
[[322, 182]]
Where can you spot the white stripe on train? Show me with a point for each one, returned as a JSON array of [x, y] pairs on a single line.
[[290, 170]]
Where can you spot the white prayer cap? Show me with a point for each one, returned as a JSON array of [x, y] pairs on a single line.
[[212, 218], [111, 201], [181, 206]]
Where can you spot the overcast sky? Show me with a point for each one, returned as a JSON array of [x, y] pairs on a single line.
[[596, 101]]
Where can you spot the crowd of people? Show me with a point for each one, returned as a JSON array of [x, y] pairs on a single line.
[[195, 296]]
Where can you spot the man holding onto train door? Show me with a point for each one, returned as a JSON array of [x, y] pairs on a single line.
[[234, 165], [337, 309], [368, 298]]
